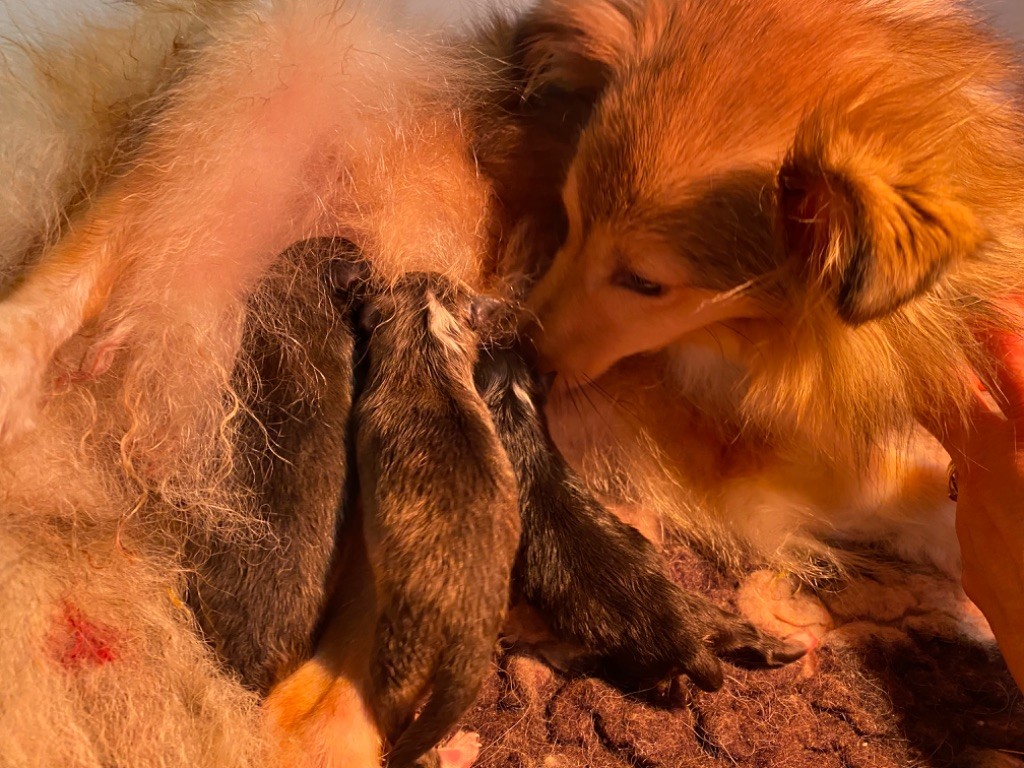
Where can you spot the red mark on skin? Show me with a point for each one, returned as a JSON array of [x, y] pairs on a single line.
[[77, 643]]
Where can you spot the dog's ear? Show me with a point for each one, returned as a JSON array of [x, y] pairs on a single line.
[[575, 45], [868, 206]]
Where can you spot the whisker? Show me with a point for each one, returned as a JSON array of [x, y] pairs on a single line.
[[572, 395], [585, 392], [617, 403]]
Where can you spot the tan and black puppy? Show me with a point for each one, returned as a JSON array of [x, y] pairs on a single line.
[[439, 508], [638, 630]]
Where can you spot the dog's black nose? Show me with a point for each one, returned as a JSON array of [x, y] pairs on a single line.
[[483, 311]]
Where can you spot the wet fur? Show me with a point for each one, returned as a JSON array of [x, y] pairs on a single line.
[[637, 631], [439, 511]]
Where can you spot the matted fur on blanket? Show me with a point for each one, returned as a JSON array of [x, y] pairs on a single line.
[[903, 677]]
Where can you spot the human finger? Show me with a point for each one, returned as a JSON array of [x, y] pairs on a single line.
[[952, 427], [1007, 350]]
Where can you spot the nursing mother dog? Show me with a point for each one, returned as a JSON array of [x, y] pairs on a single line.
[[785, 222], [812, 206]]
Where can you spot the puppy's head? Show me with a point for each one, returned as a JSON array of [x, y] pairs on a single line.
[[424, 311]]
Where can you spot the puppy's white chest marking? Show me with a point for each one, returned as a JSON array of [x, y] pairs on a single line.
[[524, 397], [443, 325]]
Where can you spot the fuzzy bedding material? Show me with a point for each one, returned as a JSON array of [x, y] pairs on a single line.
[[905, 675]]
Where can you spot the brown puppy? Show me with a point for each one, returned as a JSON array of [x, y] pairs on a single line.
[[636, 631], [259, 599], [439, 510]]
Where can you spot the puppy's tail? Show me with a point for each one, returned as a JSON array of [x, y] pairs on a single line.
[[456, 686]]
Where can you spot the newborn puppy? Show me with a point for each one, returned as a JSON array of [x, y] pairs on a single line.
[[439, 508], [637, 627], [259, 599]]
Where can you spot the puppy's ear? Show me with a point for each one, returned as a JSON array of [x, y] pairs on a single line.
[[346, 275], [867, 204], [484, 312], [574, 45]]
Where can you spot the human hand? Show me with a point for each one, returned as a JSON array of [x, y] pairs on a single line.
[[988, 451]]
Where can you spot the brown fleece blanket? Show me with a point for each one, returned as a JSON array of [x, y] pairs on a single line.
[[905, 675]]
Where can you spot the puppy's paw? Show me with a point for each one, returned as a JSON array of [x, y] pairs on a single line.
[[721, 635], [460, 751], [740, 643], [689, 635]]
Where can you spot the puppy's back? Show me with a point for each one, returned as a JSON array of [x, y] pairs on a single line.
[[440, 509]]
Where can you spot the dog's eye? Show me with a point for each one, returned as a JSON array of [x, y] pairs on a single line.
[[631, 281]]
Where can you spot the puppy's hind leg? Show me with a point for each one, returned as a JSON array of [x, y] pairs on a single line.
[[400, 671], [322, 713], [461, 670]]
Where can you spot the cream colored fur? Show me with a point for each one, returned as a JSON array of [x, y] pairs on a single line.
[[311, 118]]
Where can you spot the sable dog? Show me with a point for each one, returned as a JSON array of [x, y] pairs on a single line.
[[638, 631], [812, 257], [439, 511], [806, 208]]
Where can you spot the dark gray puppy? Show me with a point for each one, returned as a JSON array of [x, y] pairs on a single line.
[[633, 622], [259, 599], [440, 511]]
